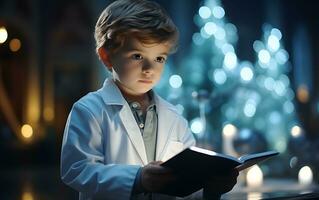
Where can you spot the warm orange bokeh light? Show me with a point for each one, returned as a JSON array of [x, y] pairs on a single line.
[[15, 45], [303, 94]]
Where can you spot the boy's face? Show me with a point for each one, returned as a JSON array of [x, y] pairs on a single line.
[[137, 67]]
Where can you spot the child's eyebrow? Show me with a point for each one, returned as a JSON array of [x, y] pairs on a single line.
[[164, 54], [140, 50]]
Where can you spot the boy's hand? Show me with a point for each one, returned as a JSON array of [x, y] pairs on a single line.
[[218, 185], [155, 177]]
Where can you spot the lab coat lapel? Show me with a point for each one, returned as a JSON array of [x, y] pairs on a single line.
[[114, 97], [165, 122], [133, 132]]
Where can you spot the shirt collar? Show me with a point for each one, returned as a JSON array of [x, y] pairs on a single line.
[[137, 106]]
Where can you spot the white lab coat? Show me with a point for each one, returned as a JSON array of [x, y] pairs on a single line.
[[103, 149]]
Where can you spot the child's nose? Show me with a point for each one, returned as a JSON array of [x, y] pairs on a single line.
[[147, 65]]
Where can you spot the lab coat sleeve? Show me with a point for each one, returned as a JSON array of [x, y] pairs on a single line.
[[82, 160]]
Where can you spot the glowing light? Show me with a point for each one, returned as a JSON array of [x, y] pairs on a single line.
[[220, 76], [218, 12], [254, 177], [254, 195], [198, 39], [197, 126], [180, 109], [282, 56], [26, 131], [245, 134], [230, 61], [305, 175], [231, 29], [281, 145], [229, 131], [246, 74], [284, 79], [227, 48], [258, 46], [175, 81], [210, 28], [203, 33], [3, 34], [273, 43], [303, 94], [276, 32], [250, 108], [269, 83], [27, 196], [220, 34], [288, 107], [15, 45], [280, 88], [264, 56], [293, 162], [204, 12], [296, 131]]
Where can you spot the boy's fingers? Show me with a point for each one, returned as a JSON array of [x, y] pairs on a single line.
[[157, 169], [156, 162]]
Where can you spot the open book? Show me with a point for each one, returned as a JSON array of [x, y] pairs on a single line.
[[195, 165]]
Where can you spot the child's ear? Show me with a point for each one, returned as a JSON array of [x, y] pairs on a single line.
[[104, 56]]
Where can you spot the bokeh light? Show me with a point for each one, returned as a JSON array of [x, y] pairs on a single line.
[[197, 126], [246, 74], [218, 12], [230, 61], [273, 43], [296, 131], [204, 12], [175, 81], [220, 76], [15, 45], [27, 131], [305, 175], [303, 93], [264, 56], [3, 34], [210, 28], [229, 130]]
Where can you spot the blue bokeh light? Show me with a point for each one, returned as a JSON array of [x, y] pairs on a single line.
[[230, 61], [204, 12], [175, 81], [218, 12]]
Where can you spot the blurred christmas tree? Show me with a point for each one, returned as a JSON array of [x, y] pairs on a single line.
[[224, 97]]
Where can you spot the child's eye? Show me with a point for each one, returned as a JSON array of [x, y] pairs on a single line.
[[160, 59], [137, 57]]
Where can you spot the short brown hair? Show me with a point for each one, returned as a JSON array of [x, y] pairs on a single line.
[[143, 19]]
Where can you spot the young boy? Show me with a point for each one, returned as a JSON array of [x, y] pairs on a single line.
[[116, 137]]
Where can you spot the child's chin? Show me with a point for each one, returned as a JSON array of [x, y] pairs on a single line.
[[144, 90]]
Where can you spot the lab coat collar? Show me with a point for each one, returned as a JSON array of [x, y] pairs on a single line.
[[113, 96]]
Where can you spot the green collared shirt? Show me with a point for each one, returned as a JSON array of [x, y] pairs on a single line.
[[148, 125]]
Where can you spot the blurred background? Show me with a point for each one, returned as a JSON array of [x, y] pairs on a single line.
[[245, 77]]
